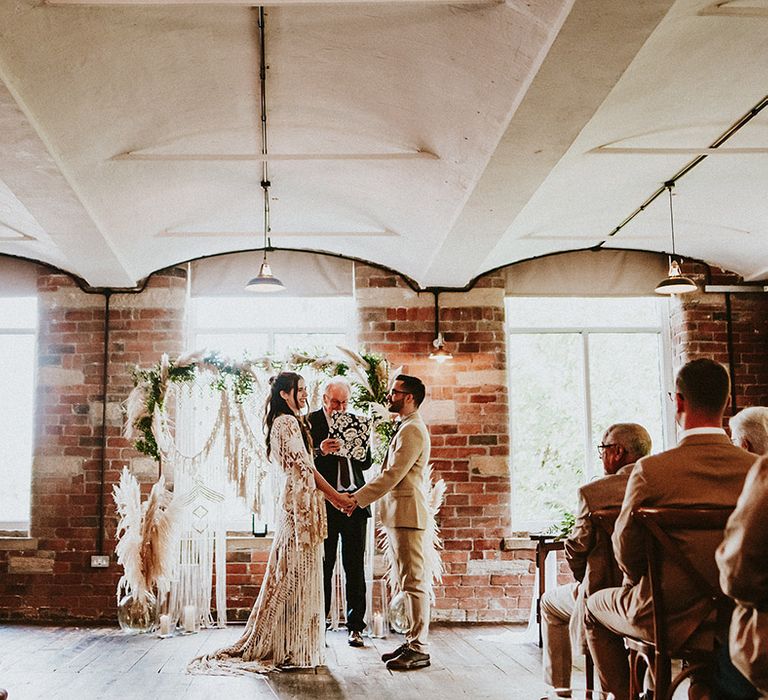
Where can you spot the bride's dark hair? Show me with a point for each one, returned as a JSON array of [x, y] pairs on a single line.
[[278, 406]]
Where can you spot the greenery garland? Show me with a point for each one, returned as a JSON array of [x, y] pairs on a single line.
[[368, 374]]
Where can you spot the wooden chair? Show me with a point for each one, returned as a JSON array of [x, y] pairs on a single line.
[[604, 521], [699, 633]]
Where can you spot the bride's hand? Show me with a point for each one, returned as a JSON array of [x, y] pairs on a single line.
[[344, 502]]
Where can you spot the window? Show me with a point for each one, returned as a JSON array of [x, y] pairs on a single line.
[[18, 325], [577, 365], [254, 326]]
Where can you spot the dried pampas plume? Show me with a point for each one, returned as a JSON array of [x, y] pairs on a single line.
[[148, 535]]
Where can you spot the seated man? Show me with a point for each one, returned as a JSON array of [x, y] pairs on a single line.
[[749, 429], [705, 469], [744, 576], [563, 608]]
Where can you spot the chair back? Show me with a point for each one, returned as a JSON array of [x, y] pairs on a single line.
[[663, 550], [604, 520]]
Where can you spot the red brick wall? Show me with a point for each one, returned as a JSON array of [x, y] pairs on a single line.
[[700, 325], [49, 577]]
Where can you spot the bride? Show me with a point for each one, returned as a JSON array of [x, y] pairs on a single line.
[[286, 627]]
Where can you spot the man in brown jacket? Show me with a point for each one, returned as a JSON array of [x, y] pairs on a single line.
[[744, 576], [588, 552], [402, 491], [705, 469]]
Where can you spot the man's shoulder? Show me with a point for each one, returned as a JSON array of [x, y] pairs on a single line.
[[314, 416], [606, 492]]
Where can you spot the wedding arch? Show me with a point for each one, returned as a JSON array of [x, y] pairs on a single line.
[[226, 398]]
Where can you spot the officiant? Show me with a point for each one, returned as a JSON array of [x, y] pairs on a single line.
[[345, 474]]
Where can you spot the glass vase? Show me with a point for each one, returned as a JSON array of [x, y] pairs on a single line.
[[137, 614]]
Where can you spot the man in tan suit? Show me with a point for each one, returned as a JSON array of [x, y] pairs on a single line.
[[588, 552], [402, 491], [705, 469], [744, 576]]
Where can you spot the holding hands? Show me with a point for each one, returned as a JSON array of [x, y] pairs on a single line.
[[345, 502]]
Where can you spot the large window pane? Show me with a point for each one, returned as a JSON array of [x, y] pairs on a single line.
[[16, 409], [236, 345], [547, 414], [287, 313], [310, 342], [625, 384], [560, 312]]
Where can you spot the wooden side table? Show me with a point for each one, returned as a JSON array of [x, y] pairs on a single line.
[[545, 543]]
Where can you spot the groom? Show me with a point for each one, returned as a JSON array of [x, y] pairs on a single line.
[[402, 487]]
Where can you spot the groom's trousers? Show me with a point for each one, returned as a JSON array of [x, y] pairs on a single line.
[[409, 546]]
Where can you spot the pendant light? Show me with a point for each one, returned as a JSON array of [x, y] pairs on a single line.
[[265, 281], [675, 282], [439, 354]]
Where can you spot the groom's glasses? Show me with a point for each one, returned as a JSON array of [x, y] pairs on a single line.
[[397, 391]]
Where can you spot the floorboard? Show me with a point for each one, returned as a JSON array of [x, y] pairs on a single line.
[[468, 661]]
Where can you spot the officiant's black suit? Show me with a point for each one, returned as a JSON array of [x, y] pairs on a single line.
[[351, 529]]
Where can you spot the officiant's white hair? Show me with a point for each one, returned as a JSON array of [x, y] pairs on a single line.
[[338, 380]]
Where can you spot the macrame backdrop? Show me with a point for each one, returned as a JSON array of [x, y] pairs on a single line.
[[212, 449]]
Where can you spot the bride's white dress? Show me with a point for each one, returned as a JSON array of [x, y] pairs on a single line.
[[286, 626]]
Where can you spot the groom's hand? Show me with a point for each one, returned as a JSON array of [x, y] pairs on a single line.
[[347, 503]]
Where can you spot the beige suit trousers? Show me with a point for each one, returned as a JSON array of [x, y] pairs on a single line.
[[409, 545], [557, 608]]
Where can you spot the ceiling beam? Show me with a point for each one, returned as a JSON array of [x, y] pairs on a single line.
[[170, 157], [284, 234], [680, 151]]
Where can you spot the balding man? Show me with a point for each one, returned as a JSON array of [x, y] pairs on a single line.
[[705, 469], [589, 555], [345, 475], [749, 429]]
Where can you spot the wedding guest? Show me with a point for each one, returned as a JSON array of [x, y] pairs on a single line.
[[588, 553], [705, 469], [402, 491], [749, 429], [345, 475], [744, 577]]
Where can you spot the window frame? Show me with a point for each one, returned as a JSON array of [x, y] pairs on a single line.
[[15, 528], [662, 330]]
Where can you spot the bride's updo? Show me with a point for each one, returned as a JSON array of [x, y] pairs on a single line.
[[277, 406]]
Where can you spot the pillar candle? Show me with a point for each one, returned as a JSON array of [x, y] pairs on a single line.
[[165, 625], [189, 618], [378, 625]]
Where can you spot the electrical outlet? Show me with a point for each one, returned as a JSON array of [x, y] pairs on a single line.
[[100, 561]]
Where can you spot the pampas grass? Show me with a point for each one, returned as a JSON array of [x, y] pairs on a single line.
[[147, 534]]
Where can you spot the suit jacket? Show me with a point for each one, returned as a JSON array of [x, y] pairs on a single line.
[[744, 576], [328, 465], [703, 470], [588, 550], [402, 484]]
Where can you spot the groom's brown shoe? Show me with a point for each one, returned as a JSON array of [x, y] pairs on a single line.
[[394, 654], [410, 659]]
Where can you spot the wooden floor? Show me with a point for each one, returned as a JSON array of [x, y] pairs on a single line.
[[477, 661]]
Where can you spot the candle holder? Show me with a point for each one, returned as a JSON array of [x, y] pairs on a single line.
[[378, 612], [189, 620], [166, 622]]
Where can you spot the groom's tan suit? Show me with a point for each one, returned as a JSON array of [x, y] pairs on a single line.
[[703, 470], [402, 490]]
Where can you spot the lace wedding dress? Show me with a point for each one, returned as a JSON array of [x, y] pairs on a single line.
[[286, 626]]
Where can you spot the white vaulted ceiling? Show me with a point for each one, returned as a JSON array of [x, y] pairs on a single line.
[[440, 140]]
